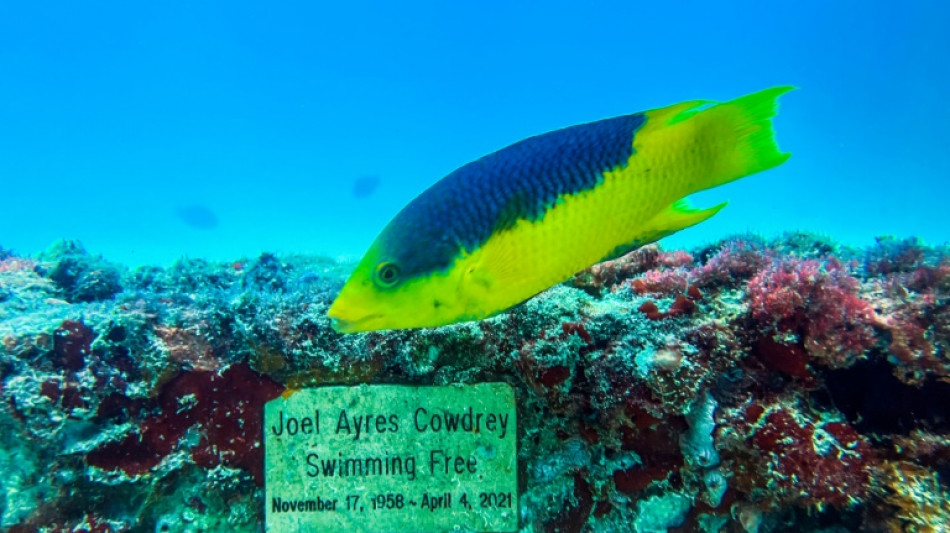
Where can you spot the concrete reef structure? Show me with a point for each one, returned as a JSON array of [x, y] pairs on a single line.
[[748, 386]]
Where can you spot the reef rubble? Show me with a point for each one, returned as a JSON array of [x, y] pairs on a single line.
[[746, 386]]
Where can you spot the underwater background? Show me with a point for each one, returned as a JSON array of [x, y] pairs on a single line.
[[186, 187], [222, 129]]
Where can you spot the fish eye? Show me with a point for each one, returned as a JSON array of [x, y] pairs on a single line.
[[387, 275]]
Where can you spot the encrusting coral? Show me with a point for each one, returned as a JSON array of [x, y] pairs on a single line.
[[750, 385]]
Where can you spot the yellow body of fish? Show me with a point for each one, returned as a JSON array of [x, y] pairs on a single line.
[[512, 224]]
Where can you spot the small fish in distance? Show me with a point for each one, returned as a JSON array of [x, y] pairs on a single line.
[[365, 186], [197, 216], [501, 229]]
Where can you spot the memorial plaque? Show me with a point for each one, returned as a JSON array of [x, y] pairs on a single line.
[[378, 458]]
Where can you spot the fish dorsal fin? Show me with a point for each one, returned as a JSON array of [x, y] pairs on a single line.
[[680, 112]]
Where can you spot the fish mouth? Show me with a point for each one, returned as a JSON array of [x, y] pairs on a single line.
[[343, 325]]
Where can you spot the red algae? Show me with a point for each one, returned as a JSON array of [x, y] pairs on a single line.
[[651, 310], [577, 328], [555, 375], [811, 463], [610, 273], [681, 305], [789, 359], [818, 301], [72, 342], [675, 258], [661, 282], [638, 478], [733, 263], [228, 408]]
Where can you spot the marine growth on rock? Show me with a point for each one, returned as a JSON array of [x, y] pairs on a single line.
[[750, 385]]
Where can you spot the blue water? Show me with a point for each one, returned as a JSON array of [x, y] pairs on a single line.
[[222, 129]]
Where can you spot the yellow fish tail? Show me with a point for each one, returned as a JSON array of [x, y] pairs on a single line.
[[735, 138]]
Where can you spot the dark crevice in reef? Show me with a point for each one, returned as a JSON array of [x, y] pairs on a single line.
[[876, 402], [828, 519], [943, 473]]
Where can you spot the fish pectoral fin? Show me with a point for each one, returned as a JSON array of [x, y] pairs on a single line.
[[678, 216], [475, 284], [496, 271]]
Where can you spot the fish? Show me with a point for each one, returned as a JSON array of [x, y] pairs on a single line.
[[502, 229], [365, 186], [197, 216]]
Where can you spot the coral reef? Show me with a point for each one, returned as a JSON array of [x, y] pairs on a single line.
[[747, 386], [79, 276]]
